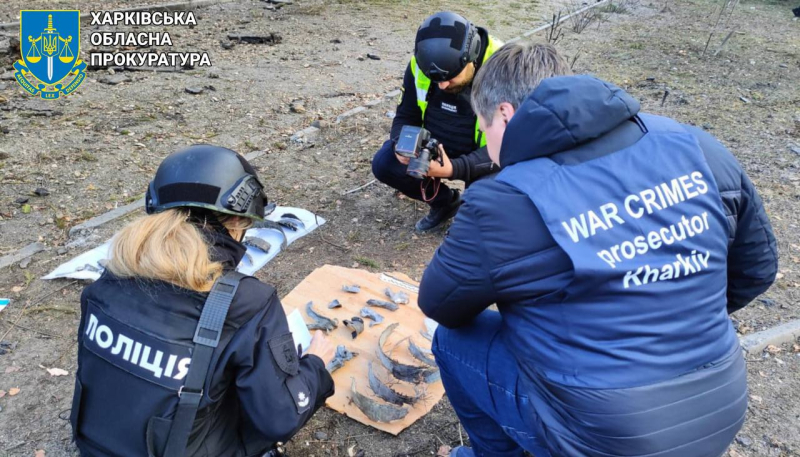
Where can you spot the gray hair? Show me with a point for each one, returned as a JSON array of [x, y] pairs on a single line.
[[512, 73]]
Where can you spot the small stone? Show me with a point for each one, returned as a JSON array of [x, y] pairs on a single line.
[[213, 74], [707, 127], [297, 107], [21, 200], [270, 38], [320, 436], [783, 65], [651, 78], [320, 124], [744, 440], [336, 41], [391, 114], [361, 58], [194, 90], [744, 99], [373, 56], [113, 80], [25, 262], [768, 302], [62, 251], [41, 192], [795, 149]]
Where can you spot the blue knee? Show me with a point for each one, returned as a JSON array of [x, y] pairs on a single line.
[[383, 163]]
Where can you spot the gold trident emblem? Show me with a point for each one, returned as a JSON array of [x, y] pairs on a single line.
[[50, 41]]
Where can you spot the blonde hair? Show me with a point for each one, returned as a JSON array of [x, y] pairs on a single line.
[[167, 247]]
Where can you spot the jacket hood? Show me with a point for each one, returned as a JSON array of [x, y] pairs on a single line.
[[562, 113]]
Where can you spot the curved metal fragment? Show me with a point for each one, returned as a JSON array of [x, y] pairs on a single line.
[[403, 372], [373, 410], [387, 393], [421, 354], [319, 322], [355, 325]]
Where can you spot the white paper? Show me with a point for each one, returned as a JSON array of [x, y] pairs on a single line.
[[87, 265], [300, 333]]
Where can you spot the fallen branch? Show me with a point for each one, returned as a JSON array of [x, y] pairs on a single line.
[[723, 42], [360, 187]]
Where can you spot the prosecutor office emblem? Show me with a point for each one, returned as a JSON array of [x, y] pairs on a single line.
[[49, 43]]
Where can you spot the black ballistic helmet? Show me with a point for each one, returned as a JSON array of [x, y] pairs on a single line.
[[207, 177], [445, 44]]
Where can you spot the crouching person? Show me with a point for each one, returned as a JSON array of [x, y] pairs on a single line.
[[179, 355], [614, 243]]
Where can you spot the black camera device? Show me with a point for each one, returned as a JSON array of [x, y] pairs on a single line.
[[417, 144]]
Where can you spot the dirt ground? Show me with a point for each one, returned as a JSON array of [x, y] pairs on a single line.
[[97, 149]]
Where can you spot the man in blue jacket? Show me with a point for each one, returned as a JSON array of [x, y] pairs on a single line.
[[614, 244]]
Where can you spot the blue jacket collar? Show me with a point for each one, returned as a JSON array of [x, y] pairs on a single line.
[[562, 113]]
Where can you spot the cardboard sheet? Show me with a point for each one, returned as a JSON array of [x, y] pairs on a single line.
[[324, 285]]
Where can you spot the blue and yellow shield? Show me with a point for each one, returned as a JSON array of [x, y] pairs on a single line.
[[50, 46]]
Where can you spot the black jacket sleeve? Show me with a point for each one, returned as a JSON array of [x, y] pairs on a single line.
[[753, 255], [408, 112], [267, 393], [473, 166], [752, 250]]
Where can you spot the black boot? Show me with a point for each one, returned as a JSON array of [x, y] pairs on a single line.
[[439, 215]]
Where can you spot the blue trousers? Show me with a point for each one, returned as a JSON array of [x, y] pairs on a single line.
[[480, 376], [388, 170]]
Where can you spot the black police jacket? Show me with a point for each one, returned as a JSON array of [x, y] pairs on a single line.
[[451, 120], [135, 342]]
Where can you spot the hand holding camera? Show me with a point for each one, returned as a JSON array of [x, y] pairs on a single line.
[[426, 157]]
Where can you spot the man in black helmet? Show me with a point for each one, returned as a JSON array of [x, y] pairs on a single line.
[[448, 51]]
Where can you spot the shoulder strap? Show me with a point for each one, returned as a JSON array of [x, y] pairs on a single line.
[[206, 339]]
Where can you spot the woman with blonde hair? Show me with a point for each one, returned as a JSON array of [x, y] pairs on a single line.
[[179, 354]]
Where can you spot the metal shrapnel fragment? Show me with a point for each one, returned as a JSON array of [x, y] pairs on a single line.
[[399, 297], [373, 410], [403, 372], [334, 304], [320, 322], [387, 393], [89, 267], [355, 325], [258, 243], [354, 289], [421, 354], [382, 304], [371, 314], [342, 356]]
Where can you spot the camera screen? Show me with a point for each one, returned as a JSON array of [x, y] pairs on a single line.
[[408, 141]]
